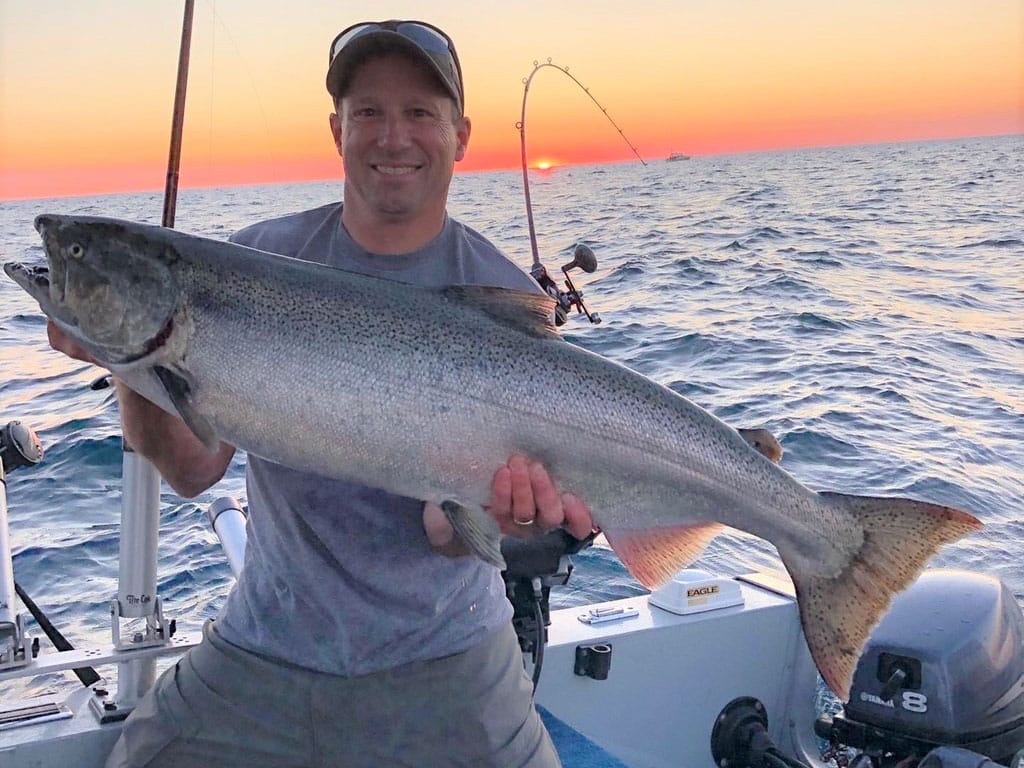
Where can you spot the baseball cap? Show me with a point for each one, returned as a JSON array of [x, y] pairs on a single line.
[[419, 39]]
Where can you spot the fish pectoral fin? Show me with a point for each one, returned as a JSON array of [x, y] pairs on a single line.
[[655, 555], [179, 391], [478, 530], [838, 612]]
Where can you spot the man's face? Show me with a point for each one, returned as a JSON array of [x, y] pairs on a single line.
[[398, 136]]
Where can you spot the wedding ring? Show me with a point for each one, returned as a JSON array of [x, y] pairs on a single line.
[[523, 522]]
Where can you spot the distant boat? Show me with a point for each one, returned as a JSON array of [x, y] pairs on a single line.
[[677, 156]]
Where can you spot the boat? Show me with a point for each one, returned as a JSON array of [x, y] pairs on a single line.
[[676, 156], [708, 670]]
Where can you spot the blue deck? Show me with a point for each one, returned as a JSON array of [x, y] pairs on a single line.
[[575, 749]]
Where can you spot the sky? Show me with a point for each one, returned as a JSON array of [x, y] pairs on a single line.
[[87, 86]]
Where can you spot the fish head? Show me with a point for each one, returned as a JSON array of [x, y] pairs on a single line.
[[107, 286]]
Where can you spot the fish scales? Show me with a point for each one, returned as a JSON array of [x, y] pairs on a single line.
[[442, 362]]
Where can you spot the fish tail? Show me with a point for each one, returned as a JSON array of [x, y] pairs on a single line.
[[839, 612]]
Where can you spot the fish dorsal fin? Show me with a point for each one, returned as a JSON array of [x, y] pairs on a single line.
[[523, 310]]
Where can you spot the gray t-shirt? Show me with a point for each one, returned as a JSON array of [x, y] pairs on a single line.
[[339, 577]]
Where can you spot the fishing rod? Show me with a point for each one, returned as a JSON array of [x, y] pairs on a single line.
[[140, 513], [178, 118], [140, 496], [536, 566], [21, 447], [583, 257]]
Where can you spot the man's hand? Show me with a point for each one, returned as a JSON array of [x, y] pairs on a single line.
[[61, 342], [525, 503]]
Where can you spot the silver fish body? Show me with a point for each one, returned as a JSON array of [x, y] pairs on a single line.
[[425, 393]]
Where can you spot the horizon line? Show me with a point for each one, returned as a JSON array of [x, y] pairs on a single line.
[[518, 167]]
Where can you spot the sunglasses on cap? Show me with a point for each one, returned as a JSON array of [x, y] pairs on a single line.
[[428, 38]]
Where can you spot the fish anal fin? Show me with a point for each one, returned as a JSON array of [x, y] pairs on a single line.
[[839, 612], [478, 530], [179, 391], [523, 310], [655, 555]]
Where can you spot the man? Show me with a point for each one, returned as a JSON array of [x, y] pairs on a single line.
[[348, 639]]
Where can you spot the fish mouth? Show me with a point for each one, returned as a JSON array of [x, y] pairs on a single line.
[[42, 222], [35, 280], [48, 226]]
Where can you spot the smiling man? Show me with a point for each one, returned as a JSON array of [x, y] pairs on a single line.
[[399, 135], [357, 634]]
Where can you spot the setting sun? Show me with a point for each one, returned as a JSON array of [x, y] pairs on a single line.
[[754, 78]]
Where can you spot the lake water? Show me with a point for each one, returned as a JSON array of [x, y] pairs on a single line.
[[866, 304]]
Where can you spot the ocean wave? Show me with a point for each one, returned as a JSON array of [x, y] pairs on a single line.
[[1001, 242]]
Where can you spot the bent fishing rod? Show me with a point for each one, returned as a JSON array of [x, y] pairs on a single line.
[[536, 566], [583, 256]]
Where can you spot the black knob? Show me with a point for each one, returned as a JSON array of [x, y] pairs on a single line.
[[582, 257], [19, 447]]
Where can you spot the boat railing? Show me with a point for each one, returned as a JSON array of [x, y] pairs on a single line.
[[140, 632]]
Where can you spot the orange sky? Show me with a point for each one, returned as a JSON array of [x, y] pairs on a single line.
[[86, 88]]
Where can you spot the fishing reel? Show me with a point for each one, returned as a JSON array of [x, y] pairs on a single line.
[[19, 447], [572, 298]]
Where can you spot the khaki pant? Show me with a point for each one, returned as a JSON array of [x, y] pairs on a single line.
[[223, 706]]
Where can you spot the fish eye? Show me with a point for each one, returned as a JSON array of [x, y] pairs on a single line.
[[76, 251]]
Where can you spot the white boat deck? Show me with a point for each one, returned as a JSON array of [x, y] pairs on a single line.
[[670, 675]]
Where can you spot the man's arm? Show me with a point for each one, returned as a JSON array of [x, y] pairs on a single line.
[[180, 457]]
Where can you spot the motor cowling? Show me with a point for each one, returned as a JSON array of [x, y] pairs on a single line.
[[944, 667]]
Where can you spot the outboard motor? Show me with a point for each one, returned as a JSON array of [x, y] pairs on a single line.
[[945, 667], [940, 684]]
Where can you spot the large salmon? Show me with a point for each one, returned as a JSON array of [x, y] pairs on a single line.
[[425, 393]]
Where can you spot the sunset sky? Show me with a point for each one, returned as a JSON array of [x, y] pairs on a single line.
[[86, 86]]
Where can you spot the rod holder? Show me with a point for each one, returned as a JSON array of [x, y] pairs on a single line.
[[19, 447], [593, 661], [140, 525], [15, 643], [228, 521], [7, 594]]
